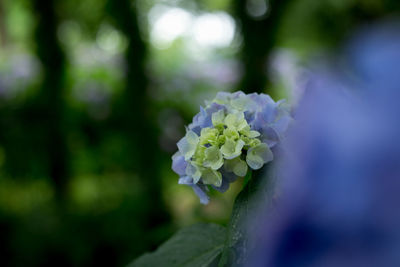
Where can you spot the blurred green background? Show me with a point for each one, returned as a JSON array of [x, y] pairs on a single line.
[[94, 95]]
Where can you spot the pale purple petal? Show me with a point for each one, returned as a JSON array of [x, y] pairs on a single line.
[[178, 163]]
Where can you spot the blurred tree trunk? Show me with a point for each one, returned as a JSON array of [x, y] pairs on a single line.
[[3, 29], [49, 106], [259, 38], [136, 112]]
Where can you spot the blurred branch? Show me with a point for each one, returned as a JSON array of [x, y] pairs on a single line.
[[3, 30]]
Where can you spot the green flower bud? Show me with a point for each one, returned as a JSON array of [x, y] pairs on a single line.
[[236, 121], [231, 134], [213, 158], [211, 177], [198, 156], [237, 166], [209, 136], [231, 149], [218, 117], [258, 155]]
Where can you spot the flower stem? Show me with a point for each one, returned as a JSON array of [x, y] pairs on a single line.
[[247, 178]]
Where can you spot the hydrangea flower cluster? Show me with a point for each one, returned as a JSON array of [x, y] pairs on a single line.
[[233, 132]]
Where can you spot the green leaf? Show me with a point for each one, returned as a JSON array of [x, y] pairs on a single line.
[[258, 189], [194, 246]]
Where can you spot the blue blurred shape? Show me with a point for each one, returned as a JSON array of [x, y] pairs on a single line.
[[340, 190]]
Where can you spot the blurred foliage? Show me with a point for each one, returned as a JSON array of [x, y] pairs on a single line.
[[94, 96]]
